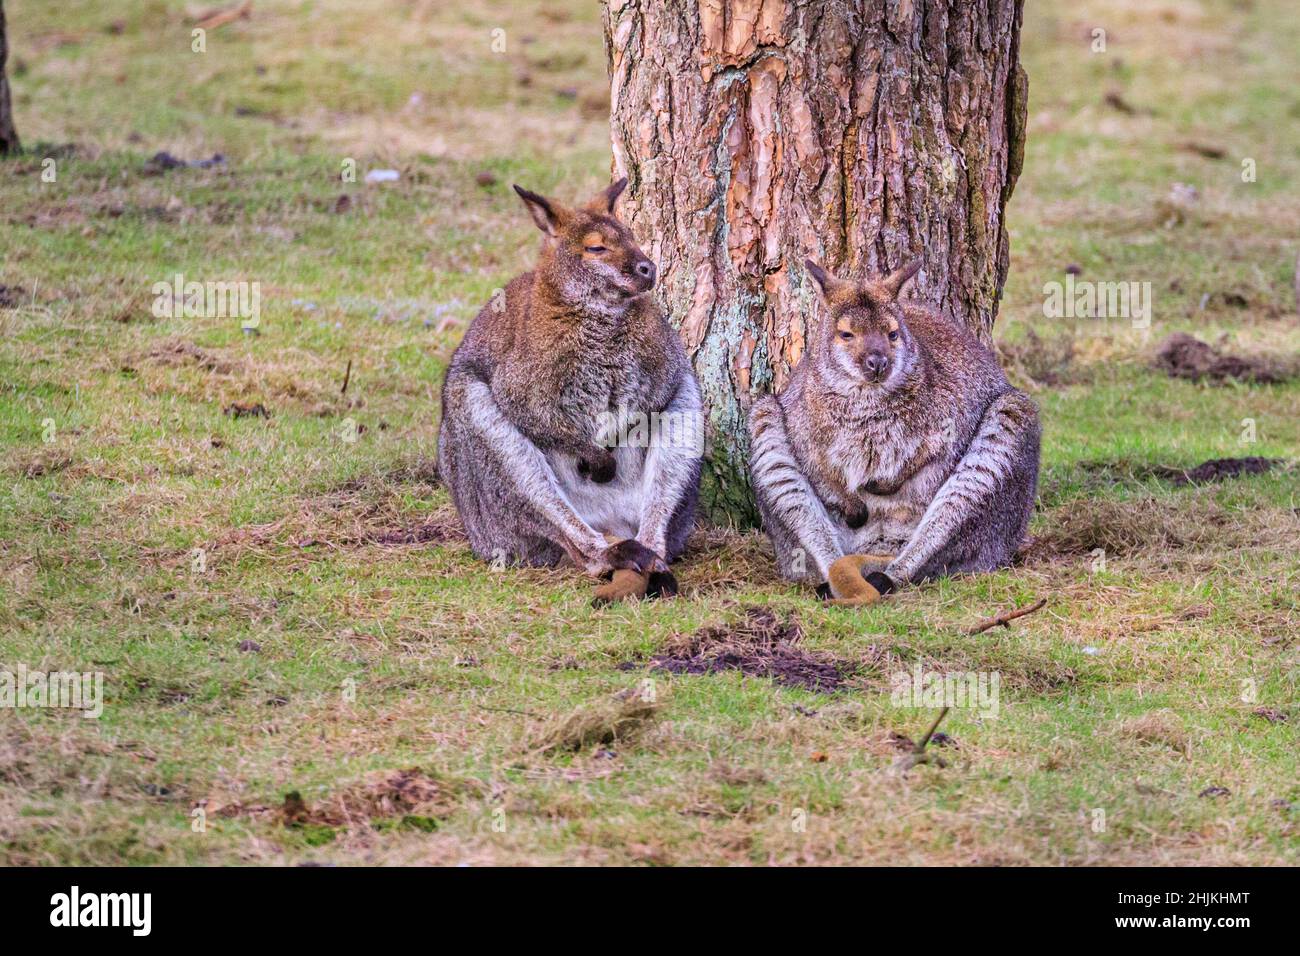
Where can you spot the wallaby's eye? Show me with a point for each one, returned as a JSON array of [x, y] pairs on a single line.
[[596, 249], [893, 336], [846, 336]]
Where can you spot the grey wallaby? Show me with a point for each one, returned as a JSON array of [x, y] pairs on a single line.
[[537, 394], [897, 452]]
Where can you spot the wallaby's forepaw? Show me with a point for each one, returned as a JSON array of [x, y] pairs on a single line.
[[599, 466], [853, 585], [632, 555], [623, 586]]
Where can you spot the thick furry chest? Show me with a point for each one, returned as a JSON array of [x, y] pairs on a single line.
[[881, 476], [880, 459], [569, 406], [612, 508]]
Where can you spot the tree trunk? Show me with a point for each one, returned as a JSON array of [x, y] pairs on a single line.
[[860, 133], [8, 135]]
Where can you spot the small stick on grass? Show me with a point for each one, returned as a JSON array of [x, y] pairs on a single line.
[[918, 755], [347, 376], [510, 710], [219, 18], [920, 744], [1006, 617], [1296, 281]]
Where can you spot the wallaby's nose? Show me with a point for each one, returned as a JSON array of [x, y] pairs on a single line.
[[876, 364], [646, 269]]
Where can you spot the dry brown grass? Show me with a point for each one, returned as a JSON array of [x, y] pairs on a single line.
[[1163, 727], [612, 720], [1129, 526]]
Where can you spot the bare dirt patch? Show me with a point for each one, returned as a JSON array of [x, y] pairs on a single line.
[[760, 644], [1216, 469], [1185, 356], [1207, 472], [11, 296]]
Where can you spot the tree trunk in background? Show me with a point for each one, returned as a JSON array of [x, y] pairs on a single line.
[[860, 133], [8, 135]]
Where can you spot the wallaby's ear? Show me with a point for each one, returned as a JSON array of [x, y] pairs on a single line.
[[831, 287], [547, 214], [896, 280], [607, 197]]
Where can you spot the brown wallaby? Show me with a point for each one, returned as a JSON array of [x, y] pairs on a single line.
[[538, 401], [898, 451]]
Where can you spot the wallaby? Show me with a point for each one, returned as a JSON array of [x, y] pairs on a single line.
[[535, 397], [897, 452]]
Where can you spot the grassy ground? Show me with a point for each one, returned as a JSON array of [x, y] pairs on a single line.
[[262, 631]]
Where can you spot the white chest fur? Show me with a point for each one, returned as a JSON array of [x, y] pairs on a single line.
[[613, 508]]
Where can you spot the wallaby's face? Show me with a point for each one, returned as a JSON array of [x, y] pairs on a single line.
[[589, 254], [865, 339]]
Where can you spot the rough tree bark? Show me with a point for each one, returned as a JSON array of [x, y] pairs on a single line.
[[861, 133], [8, 135]]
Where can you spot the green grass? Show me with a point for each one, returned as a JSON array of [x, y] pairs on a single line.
[[1131, 693]]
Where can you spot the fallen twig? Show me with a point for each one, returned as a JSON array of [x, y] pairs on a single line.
[[510, 710], [1297, 282], [1006, 617], [920, 744], [219, 18], [918, 755], [347, 375]]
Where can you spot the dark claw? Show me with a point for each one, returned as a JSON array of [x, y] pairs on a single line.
[[634, 556], [662, 585], [881, 582]]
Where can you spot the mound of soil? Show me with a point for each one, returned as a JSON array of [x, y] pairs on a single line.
[[760, 644], [1185, 356], [1216, 469]]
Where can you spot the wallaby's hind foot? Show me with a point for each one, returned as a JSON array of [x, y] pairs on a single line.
[[626, 584], [629, 585], [857, 579]]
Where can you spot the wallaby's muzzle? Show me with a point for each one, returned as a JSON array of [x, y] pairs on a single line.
[[876, 365], [643, 274]]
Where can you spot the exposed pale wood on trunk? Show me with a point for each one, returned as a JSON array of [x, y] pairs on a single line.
[[858, 132]]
